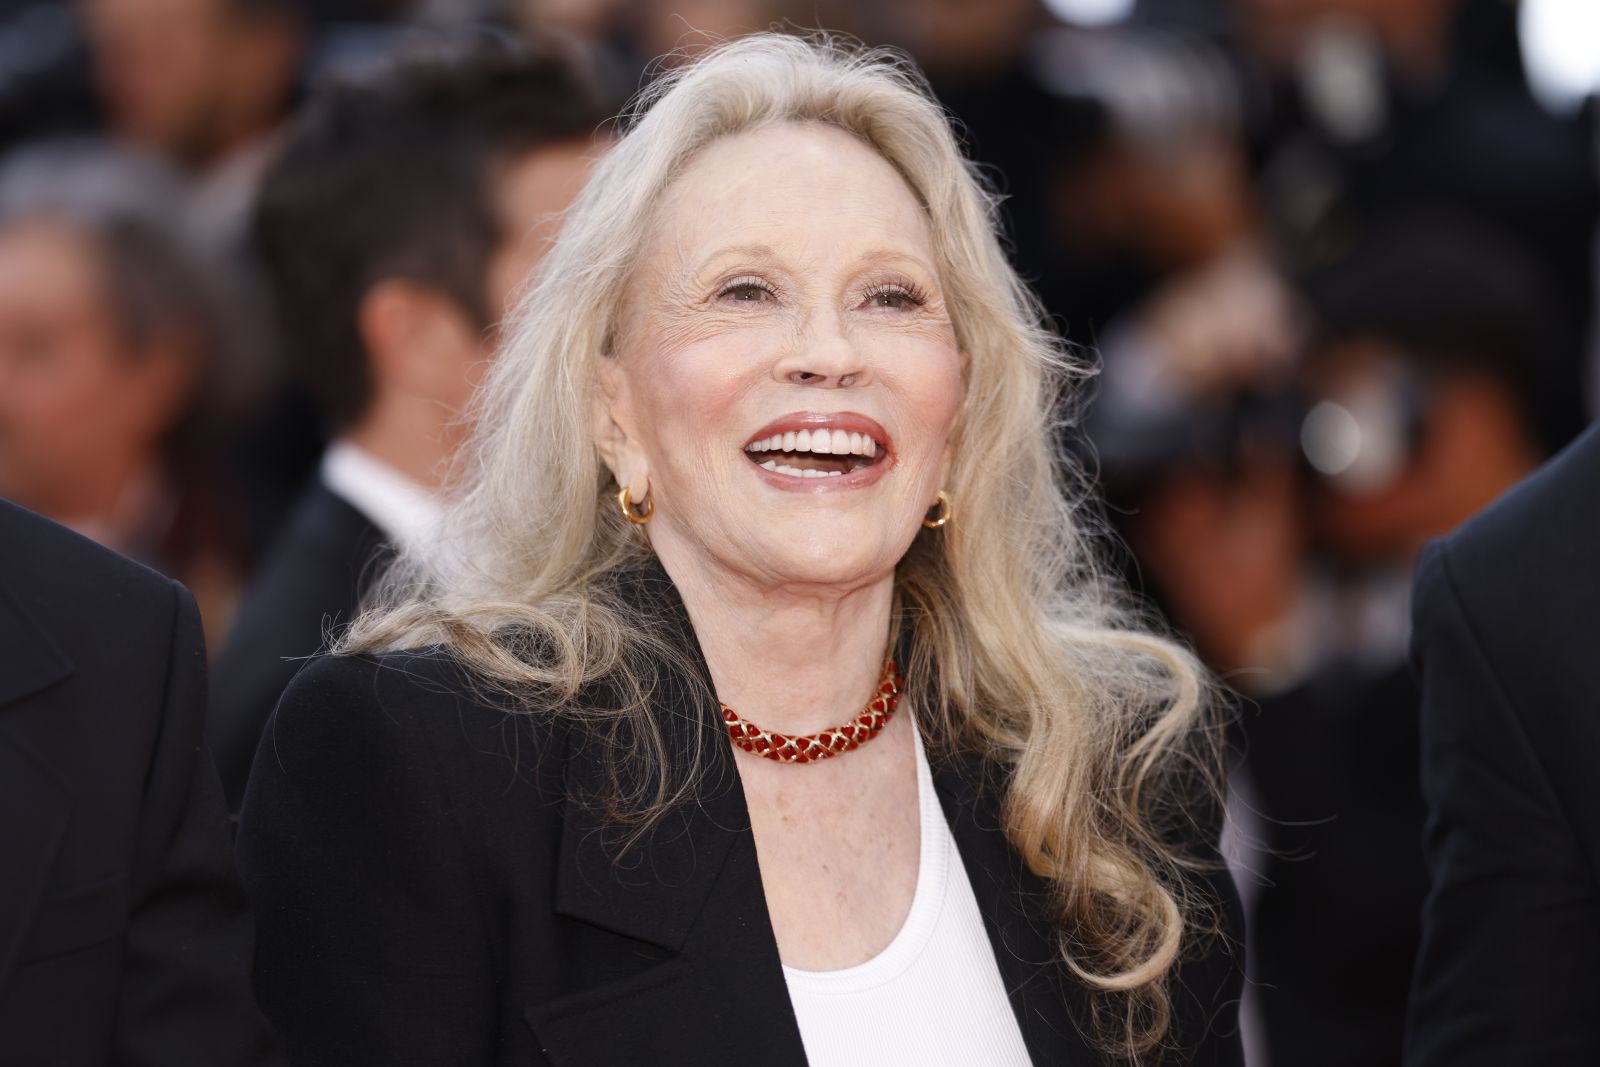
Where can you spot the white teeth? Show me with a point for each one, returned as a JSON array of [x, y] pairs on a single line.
[[822, 442], [835, 474], [770, 465]]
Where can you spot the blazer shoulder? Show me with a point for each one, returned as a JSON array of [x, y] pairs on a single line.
[[71, 608], [58, 571], [370, 695], [1524, 574], [1540, 526], [399, 713]]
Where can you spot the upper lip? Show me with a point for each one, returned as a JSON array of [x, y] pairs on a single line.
[[848, 421]]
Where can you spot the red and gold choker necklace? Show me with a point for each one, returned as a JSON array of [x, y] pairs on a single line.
[[826, 743]]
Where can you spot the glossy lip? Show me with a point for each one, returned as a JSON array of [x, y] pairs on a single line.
[[848, 421]]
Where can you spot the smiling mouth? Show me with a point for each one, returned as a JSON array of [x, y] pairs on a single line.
[[817, 453]]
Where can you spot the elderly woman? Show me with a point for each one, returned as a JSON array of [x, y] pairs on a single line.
[[758, 703]]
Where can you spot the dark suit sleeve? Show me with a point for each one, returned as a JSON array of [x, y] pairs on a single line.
[[1509, 959], [373, 948], [186, 979]]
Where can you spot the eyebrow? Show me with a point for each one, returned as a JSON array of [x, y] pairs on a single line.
[[739, 252], [759, 251]]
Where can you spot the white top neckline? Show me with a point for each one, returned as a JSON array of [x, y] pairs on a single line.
[[927, 902], [934, 995]]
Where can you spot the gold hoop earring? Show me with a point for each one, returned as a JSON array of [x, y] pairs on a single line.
[[640, 517], [946, 512]]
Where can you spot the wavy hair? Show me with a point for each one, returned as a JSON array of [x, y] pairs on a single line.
[[1021, 646]]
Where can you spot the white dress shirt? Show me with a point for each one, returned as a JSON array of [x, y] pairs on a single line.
[[403, 509]]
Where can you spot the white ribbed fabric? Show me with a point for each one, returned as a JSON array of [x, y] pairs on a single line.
[[934, 995]]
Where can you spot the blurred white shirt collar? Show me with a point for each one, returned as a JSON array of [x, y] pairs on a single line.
[[405, 511]]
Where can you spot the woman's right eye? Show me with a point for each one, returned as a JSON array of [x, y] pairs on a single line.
[[746, 291]]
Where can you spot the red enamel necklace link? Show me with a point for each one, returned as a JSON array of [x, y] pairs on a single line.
[[824, 744]]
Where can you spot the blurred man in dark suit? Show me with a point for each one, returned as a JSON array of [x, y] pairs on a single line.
[[1293, 573], [124, 936], [1507, 646], [406, 209]]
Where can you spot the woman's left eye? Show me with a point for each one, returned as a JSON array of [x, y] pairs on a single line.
[[892, 296]]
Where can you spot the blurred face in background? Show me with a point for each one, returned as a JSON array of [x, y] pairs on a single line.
[[81, 407], [529, 194], [192, 78]]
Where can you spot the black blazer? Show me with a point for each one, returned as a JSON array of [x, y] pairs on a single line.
[[310, 583], [430, 889], [1507, 644], [123, 932], [1332, 768]]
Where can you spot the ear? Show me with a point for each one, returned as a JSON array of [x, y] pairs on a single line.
[[614, 420], [419, 340]]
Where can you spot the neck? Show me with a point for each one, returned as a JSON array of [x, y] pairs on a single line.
[[792, 658], [415, 436]]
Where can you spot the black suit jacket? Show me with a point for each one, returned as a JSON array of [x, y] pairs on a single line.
[[1507, 641], [310, 584], [124, 936], [1332, 768], [432, 888]]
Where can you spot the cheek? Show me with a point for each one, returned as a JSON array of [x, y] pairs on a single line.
[[75, 383], [690, 405], [932, 399], [66, 413]]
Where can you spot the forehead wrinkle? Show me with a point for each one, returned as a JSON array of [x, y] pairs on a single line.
[[739, 251]]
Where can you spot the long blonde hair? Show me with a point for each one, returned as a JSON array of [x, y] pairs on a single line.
[[1021, 648]]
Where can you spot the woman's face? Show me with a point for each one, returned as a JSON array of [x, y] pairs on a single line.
[[787, 374]]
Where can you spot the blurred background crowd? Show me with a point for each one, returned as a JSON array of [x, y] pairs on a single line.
[[1336, 260]]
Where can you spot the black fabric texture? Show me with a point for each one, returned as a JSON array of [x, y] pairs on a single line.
[[124, 935], [1508, 652]]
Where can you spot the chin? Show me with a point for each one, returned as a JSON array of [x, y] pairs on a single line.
[[834, 558]]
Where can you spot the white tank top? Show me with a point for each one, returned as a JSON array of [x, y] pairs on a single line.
[[934, 995]]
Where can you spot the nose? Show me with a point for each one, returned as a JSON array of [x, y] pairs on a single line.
[[823, 356]]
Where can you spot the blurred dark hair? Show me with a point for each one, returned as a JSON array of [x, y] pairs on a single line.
[[387, 173], [1451, 297]]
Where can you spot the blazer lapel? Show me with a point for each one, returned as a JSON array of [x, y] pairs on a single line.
[[692, 887], [29, 664], [29, 661], [1013, 902]]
